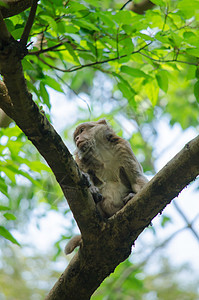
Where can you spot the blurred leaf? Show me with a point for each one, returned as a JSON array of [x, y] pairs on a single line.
[[2, 207], [44, 94], [7, 235], [165, 220], [196, 90], [159, 2], [152, 91], [3, 187], [51, 82], [133, 72], [162, 79], [9, 216]]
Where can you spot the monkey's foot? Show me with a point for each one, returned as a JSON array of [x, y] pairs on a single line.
[[128, 197]]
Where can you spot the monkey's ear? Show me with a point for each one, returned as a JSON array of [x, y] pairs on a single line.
[[102, 121]]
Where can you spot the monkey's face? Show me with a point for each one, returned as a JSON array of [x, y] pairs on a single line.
[[86, 134], [82, 136]]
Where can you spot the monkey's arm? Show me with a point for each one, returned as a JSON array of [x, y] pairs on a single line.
[[97, 197], [136, 182], [131, 173]]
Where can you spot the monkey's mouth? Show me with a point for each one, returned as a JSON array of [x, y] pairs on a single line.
[[80, 144]]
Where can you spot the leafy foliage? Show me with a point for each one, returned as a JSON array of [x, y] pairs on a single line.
[[132, 69], [138, 51]]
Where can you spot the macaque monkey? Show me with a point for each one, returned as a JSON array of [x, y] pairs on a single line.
[[111, 165]]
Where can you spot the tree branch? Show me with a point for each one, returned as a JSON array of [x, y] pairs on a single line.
[[14, 7], [4, 119], [5, 35], [76, 68], [39, 131], [27, 29], [95, 261], [161, 61], [106, 243]]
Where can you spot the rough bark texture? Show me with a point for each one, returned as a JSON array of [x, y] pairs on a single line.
[[106, 243], [14, 7]]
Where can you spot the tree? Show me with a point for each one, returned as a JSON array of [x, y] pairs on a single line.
[[62, 43]]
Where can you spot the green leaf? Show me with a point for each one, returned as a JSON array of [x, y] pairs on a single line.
[[193, 51], [27, 65], [196, 90], [51, 82], [12, 170], [9, 216], [50, 21], [3, 187], [10, 174], [72, 53], [152, 91], [94, 3], [71, 29], [127, 46], [9, 24], [126, 89], [133, 72], [87, 25], [17, 33], [106, 17], [2, 207], [165, 220], [159, 2], [123, 17], [7, 235], [188, 9], [197, 73], [189, 35], [162, 79], [44, 94]]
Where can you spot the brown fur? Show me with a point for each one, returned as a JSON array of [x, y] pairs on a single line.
[[110, 163]]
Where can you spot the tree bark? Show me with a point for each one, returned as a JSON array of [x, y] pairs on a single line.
[[14, 7], [106, 243]]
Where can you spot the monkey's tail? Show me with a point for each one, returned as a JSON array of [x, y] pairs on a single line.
[[72, 244]]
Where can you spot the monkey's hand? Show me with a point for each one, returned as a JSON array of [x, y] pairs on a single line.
[[128, 197], [86, 179], [97, 197]]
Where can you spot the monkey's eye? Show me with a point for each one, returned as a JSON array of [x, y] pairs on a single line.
[[81, 130]]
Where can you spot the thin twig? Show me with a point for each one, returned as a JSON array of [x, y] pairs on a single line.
[[27, 29], [125, 4], [169, 60], [189, 225], [73, 68], [41, 51], [165, 17]]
